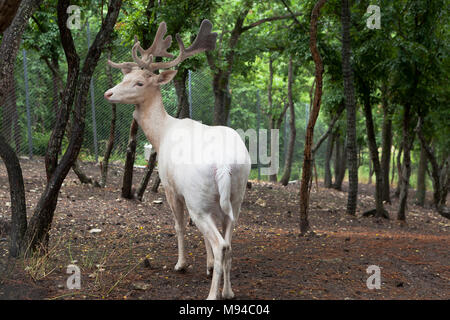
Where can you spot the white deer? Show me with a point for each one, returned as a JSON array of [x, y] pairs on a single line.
[[204, 168]]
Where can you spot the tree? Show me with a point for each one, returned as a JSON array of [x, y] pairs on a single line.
[[340, 160], [290, 151], [8, 11], [417, 65], [36, 234], [421, 177], [8, 51], [386, 145], [379, 211], [223, 60], [274, 112], [350, 103], [112, 130], [307, 157]]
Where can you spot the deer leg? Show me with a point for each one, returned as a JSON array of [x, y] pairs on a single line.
[[228, 225], [218, 245], [177, 207], [209, 258]]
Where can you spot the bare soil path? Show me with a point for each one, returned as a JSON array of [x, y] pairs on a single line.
[[134, 254]]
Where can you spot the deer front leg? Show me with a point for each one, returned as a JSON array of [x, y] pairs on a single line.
[[177, 207]]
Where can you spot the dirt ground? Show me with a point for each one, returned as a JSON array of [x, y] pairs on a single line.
[[133, 255]]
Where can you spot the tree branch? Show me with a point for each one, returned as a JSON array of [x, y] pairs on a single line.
[[259, 22], [290, 11]]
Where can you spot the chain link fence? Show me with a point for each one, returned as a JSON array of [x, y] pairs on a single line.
[[28, 114]]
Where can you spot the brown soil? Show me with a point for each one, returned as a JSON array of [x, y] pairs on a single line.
[[134, 254]]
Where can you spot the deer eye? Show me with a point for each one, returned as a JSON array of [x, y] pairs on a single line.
[[140, 84]]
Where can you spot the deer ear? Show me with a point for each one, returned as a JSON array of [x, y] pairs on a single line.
[[166, 76]]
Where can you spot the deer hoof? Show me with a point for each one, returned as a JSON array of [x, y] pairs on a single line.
[[180, 267]]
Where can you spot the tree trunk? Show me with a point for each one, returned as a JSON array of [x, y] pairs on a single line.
[[290, 151], [68, 95], [182, 97], [439, 175], [8, 51], [370, 172], [10, 125], [386, 148], [127, 182], [40, 223], [76, 167], [328, 154], [421, 173], [373, 148], [272, 177], [342, 167], [222, 99], [112, 130], [17, 193], [406, 167], [156, 184], [146, 177], [8, 9], [11, 40], [393, 167], [337, 155], [84, 179], [7, 116], [349, 93], [399, 171], [307, 155], [15, 120]]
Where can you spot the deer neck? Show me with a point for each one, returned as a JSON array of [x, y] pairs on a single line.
[[152, 118]]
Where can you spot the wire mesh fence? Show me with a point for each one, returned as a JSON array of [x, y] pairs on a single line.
[[29, 111]]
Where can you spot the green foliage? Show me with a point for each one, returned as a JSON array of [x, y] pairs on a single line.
[[410, 51], [40, 142]]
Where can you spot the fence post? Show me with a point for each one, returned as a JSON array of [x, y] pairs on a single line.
[[258, 106], [94, 122], [27, 102], [190, 94]]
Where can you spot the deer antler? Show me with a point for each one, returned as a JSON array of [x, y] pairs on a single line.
[[126, 65], [205, 40], [159, 46]]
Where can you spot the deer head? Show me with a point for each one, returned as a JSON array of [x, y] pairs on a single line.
[[139, 78]]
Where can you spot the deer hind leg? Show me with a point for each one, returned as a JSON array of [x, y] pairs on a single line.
[[228, 225], [219, 247], [209, 258], [177, 207]]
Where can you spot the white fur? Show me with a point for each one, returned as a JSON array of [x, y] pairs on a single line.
[[204, 168]]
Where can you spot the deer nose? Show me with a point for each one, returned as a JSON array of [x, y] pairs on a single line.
[[108, 94]]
